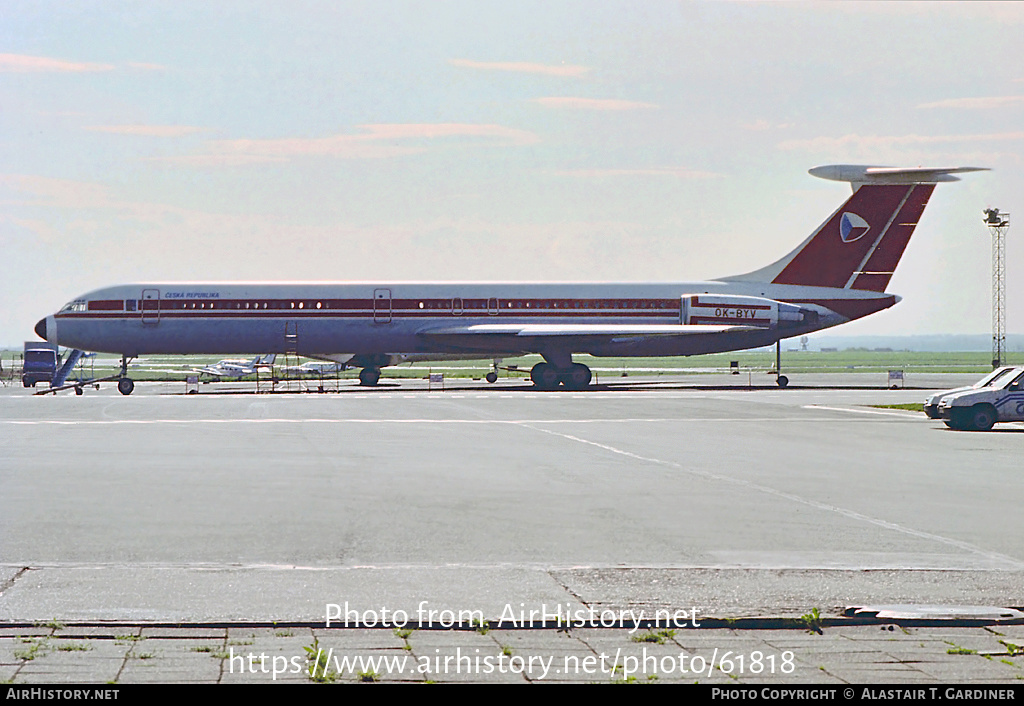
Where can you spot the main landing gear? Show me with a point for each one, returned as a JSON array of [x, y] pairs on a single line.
[[368, 377], [546, 376]]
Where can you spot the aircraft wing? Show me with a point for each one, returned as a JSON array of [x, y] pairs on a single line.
[[225, 371], [608, 332]]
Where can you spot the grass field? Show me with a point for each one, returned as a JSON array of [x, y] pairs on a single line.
[[175, 368]]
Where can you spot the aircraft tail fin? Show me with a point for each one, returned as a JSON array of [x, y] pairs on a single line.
[[860, 244]]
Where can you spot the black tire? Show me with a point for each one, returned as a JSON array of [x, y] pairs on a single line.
[[79, 391], [959, 419], [577, 378], [983, 416], [544, 376], [491, 377], [125, 386], [782, 381], [368, 377]]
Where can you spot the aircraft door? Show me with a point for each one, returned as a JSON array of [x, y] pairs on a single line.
[[382, 306], [150, 306]]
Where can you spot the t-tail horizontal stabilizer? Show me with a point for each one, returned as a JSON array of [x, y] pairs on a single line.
[[858, 174]]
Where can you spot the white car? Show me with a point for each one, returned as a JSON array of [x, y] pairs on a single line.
[[931, 405], [1002, 400]]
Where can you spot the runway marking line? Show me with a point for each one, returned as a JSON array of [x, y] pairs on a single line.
[[655, 420], [908, 414], [852, 514]]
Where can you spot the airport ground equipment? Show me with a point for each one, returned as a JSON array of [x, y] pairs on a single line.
[[41, 362], [58, 384]]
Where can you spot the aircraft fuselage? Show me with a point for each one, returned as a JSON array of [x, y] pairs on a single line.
[[377, 318]]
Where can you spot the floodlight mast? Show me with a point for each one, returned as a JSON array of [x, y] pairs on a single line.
[[998, 223]]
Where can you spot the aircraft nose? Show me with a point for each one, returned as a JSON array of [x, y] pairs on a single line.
[[41, 329]]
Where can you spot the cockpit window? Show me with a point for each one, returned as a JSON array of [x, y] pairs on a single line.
[[75, 306]]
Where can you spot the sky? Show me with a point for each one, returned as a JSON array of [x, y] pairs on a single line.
[[517, 140]]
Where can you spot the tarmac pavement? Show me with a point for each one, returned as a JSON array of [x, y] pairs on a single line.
[[165, 538]]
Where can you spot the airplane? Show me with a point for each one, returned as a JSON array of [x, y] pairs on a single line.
[[839, 273], [312, 368], [237, 368]]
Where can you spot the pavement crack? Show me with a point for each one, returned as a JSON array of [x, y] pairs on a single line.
[[567, 589], [10, 582]]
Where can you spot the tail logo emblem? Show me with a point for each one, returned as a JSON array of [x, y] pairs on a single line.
[[852, 227]]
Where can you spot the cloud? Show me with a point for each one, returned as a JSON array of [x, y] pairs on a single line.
[[378, 141], [592, 103], [976, 103], [522, 67], [877, 142], [63, 193], [435, 130], [20, 63], [44, 231], [678, 172], [147, 130], [761, 125], [996, 13]]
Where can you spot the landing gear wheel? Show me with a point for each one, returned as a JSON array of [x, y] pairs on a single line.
[[79, 391], [578, 377], [125, 386], [782, 381], [368, 377], [491, 377], [544, 376], [983, 416]]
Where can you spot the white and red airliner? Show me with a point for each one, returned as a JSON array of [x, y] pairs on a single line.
[[837, 274]]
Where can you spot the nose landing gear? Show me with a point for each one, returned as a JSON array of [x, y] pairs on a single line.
[[125, 385]]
